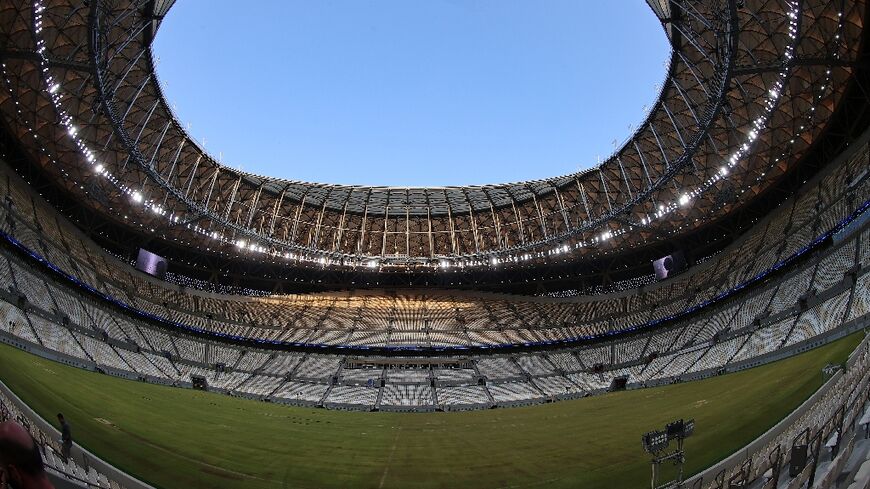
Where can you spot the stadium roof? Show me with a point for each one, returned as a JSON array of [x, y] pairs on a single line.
[[751, 86]]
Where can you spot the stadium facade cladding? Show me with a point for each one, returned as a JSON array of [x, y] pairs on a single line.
[[751, 87]]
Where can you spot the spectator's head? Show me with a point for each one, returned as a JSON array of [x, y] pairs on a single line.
[[60, 417], [21, 464]]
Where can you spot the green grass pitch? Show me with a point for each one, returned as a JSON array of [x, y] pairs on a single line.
[[180, 438]]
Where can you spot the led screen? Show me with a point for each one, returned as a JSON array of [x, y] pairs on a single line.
[[670, 265], [151, 264]]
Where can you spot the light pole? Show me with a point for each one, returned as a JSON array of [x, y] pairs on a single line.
[[657, 442]]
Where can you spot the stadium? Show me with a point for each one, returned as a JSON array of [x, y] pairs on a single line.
[[690, 312]]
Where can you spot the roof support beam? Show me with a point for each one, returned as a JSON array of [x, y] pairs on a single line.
[[339, 233], [562, 208], [175, 161], [431, 240], [519, 223], [275, 209], [452, 230], [606, 193], [52, 62], [316, 239], [214, 176], [777, 67], [232, 198], [192, 176], [296, 218], [540, 216], [384, 237], [583, 199], [624, 177], [157, 146], [145, 123], [254, 206], [129, 107]]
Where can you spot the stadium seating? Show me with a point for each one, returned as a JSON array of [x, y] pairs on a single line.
[[691, 346], [789, 303], [436, 319]]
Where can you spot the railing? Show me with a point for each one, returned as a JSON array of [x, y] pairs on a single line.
[[847, 390], [82, 459]]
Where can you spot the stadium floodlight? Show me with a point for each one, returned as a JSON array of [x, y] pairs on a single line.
[[674, 429], [655, 441], [684, 200], [689, 428], [680, 429]]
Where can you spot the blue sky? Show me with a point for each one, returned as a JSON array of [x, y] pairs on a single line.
[[411, 93]]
